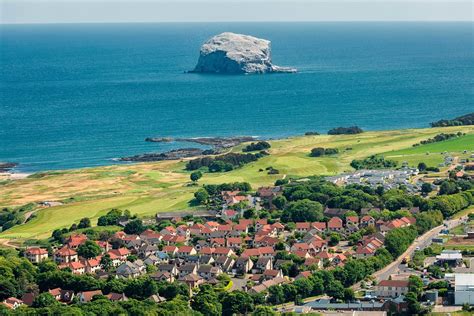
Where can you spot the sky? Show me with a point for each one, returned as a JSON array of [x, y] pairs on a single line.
[[109, 11]]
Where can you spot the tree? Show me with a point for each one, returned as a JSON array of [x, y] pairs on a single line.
[[349, 294], [141, 288], [317, 152], [45, 299], [334, 239], [262, 310], [88, 250], [279, 202], [195, 176], [84, 223], [414, 307], [237, 302], [426, 188], [134, 227], [201, 196], [422, 166], [415, 285], [276, 295], [207, 302], [250, 213], [303, 211]]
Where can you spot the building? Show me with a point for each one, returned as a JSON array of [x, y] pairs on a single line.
[[36, 255], [391, 288], [451, 257], [464, 288]]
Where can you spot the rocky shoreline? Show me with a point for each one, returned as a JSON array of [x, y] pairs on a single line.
[[175, 154], [217, 144], [7, 166]]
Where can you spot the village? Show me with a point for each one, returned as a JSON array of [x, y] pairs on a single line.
[[246, 254]]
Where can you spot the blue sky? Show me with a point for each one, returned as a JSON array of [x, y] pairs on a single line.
[[87, 11]]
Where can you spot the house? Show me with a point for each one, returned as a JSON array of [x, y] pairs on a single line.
[[65, 255], [367, 221], [128, 270], [120, 253], [170, 250], [152, 260], [92, 265], [335, 224], [12, 303], [243, 265], [391, 288], [217, 242], [163, 276], [170, 268], [74, 241], [207, 271], [234, 242], [450, 257], [225, 263], [303, 274], [184, 251], [87, 296], [271, 274], [352, 221], [36, 255], [302, 227], [76, 267], [259, 252], [192, 280], [226, 252], [464, 289], [117, 297], [262, 264], [64, 296], [146, 249], [187, 269]]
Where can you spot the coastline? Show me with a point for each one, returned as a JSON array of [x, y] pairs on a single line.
[[13, 175]]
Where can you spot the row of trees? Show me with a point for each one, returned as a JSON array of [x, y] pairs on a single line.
[[439, 138], [345, 130], [373, 162], [262, 145], [320, 151], [225, 162], [467, 119]]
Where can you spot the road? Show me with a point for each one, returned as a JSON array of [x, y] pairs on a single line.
[[421, 242]]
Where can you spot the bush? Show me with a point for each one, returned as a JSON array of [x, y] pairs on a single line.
[[262, 145], [345, 130]]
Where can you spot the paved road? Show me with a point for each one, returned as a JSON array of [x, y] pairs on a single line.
[[421, 242]]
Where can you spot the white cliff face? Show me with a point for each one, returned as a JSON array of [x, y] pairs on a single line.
[[230, 53]]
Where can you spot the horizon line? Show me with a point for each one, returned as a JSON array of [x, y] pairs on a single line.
[[241, 21]]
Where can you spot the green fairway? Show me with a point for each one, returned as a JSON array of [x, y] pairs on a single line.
[[148, 188]]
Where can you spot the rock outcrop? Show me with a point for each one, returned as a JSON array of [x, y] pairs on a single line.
[[230, 53]]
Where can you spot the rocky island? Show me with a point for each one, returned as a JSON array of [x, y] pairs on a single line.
[[230, 53]]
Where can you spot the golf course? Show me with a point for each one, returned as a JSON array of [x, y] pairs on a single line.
[[148, 188]]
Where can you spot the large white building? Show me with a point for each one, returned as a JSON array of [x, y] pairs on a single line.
[[464, 288]]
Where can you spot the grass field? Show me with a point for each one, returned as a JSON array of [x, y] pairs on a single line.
[[148, 188], [432, 154]]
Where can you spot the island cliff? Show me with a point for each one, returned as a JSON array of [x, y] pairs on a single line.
[[230, 53]]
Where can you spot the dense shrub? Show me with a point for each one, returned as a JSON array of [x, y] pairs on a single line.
[[345, 130]]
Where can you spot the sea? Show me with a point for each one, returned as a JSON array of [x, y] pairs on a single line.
[[80, 95]]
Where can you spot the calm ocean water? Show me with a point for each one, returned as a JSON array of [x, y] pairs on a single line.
[[80, 95]]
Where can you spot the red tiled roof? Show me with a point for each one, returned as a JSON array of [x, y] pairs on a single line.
[[394, 283], [37, 251], [65, 251], [335, 222]]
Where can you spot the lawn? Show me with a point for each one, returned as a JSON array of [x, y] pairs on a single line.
[[432, 154], [148, 188]]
